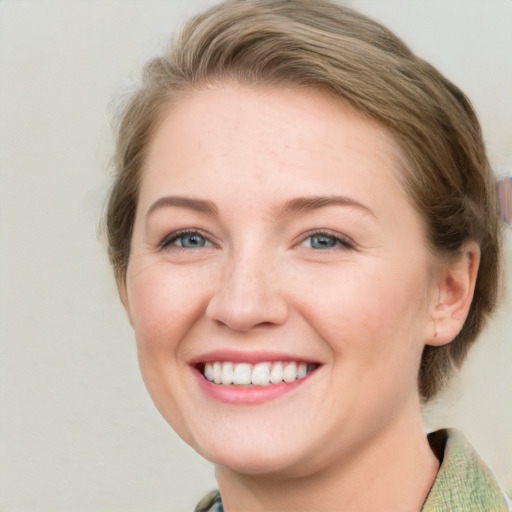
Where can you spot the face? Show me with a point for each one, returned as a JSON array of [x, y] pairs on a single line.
[[278, 281]]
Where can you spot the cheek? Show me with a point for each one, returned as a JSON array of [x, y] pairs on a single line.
[[164, 305], [372, 310]]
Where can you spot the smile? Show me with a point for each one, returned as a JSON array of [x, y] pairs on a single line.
[[227, 373]]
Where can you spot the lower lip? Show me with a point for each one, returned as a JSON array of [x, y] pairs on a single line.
[[247, 395]]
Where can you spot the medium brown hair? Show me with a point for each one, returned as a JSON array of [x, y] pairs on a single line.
[[315, 43]]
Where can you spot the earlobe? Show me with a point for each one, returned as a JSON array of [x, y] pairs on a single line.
[[453, 294]]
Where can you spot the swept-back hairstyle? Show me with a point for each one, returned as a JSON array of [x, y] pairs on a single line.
[[315, 43]]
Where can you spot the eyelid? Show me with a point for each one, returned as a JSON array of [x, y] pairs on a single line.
[[344, 240]]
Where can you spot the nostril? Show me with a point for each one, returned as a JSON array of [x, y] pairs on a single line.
[[265, 324], [245, 317]]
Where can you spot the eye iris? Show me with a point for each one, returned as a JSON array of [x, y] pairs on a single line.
[[192, 241], [322, 242]]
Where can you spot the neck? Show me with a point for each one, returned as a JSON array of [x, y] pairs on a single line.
[[393, 472]]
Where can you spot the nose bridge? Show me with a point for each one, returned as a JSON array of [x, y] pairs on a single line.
[[248, 291]]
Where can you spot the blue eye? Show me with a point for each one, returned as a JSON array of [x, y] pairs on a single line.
[[324, 241], [186, 240], [191, 241]]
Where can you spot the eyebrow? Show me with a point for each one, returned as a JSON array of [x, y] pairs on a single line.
[[301, 205], [296, 206], [198, 205]]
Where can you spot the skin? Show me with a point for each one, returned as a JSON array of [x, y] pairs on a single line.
[[350, 436]]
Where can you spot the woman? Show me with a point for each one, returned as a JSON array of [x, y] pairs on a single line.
[[304, 234]]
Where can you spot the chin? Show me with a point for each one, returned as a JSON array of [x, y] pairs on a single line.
[[255, 465], [251, 458]]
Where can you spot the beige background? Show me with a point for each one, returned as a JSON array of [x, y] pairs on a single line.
[[77, 430]]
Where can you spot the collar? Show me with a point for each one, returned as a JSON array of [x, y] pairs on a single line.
[[464, 482]]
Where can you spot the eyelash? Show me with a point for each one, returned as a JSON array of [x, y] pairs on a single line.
[[170, 239], [340, 242]]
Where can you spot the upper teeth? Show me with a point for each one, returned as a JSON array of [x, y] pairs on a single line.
[[260, 374]]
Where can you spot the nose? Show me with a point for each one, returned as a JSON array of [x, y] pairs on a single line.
[[248, 294]]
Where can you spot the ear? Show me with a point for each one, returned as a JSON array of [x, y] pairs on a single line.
[[453, 294], [123, 295]]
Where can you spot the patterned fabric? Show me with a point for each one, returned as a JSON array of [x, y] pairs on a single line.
[[464, 483]]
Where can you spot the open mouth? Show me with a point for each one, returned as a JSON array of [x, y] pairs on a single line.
[[227, 373]]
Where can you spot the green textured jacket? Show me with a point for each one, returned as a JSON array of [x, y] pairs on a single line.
[[464, 482]]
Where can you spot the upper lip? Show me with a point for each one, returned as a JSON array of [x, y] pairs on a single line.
[[254, 357]]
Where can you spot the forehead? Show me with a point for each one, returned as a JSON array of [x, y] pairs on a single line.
[[235, 142]]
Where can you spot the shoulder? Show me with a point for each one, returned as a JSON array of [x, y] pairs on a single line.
[[464, 481]]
